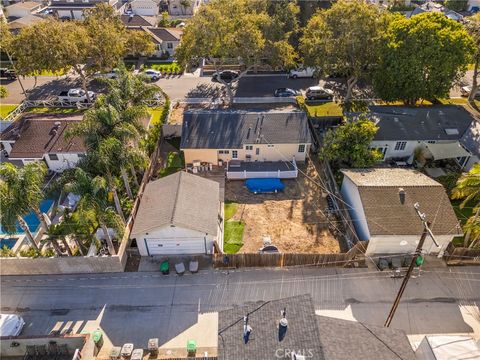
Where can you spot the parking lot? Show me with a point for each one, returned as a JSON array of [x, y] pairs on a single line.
[[294, 219]]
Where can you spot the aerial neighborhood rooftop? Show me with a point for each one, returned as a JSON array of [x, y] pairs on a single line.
[[239, 179]]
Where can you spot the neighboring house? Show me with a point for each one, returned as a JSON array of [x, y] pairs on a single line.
[[431, 6], [250, 142], [306, 336], [473, 5], [435, 130], [179, 214], [137, 21], [166, 40], [43, 137], [380, 202], [21, 9], [20, 23], [444, 347], [73, 9], [183, 7], [144, 7], [471, 141]]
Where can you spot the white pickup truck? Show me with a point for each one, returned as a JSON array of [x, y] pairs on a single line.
[[301, 73], [76, 95]]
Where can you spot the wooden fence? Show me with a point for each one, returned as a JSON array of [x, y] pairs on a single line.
[[461, 256], [352, 258]]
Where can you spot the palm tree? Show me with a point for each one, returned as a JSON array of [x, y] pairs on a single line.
[[55, 233], [20, 192], [94, 199], [468, 189]]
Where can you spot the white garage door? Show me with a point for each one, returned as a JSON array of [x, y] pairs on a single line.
[[175, 246]]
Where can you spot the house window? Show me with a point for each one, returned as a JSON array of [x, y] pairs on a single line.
[[249, 147], [223, 151], [400, 145], [53, 157], [432, 141], [169, 45], [257, 151], [234, 154], [301, 148], [270, 145]]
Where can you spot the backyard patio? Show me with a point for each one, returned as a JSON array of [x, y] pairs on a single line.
[[293, 219]]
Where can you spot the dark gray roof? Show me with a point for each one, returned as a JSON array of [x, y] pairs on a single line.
[[220, 129], [471, 138], [420, 123], [136, 20], [263, 344], [343, 339], [166, 34], [181, 199]]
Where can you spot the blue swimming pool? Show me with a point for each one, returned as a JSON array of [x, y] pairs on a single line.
[[31, 219], [8, 242]]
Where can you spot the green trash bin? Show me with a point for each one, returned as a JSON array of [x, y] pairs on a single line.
[[191, 346], [165, 267], [97, 337]]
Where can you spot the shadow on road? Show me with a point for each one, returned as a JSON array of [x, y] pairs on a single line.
[[204, 91], [50, 90]]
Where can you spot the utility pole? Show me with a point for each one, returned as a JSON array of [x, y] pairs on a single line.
[[418, 252]]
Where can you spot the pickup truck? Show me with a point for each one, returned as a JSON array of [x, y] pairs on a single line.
[[301, 73], [76, 95]]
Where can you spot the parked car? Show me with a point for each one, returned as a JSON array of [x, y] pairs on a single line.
[[109, 75], [8, 74], [286, 92], [153, 75], [76, 95], [302, 73], [466, 90], [226, 75], [11, 325], [318, 93]]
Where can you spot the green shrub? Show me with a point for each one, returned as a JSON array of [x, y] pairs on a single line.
[[3, 92], [449, 181]]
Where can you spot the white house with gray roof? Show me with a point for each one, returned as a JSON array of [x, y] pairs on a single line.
[[271, 142], [179, 214], [380, 203], [436, 130]]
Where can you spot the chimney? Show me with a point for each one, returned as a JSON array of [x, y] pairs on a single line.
[[401, 195]]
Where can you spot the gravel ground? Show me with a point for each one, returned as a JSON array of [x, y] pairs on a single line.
[[293, 219]]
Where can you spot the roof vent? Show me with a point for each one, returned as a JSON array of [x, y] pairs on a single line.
[[452, 131], [282, 325], [401, 195]]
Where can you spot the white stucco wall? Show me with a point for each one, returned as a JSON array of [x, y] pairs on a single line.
[[164, 47], [175, 7], [473, 3], [351, 196], [395, 244], [275, 152], [65, 161], [172, 232]]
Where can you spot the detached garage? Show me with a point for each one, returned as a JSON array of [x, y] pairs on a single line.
[[179, 214]]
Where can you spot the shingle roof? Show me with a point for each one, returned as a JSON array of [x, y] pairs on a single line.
[[343, 339], [137, 20], [166, 34], [386, 215], [26, 5], [34, 135], [180, 199], [220, 129], [302, 333], [471, 138], [420, 123]]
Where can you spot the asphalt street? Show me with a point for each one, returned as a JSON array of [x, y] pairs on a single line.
[[133, 307]]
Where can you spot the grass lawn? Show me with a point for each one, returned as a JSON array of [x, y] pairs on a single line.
[[49, 73], [175, 162], [233, 236], [156, 114], [167, 67], [324, 109], [44, 110], [6, 109]]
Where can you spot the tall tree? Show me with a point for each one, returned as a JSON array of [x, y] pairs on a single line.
[[344, 40], [21, 192], [468, 190], [94, 199], [457, 5], [421, 58], [238, 30], [349, 144], [473, 28], [95, 44], [6, 39]]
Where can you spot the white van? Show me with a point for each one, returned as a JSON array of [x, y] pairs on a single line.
[[11, 325], [307, 72]]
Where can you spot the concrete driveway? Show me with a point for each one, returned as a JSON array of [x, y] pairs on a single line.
[[133, 307]]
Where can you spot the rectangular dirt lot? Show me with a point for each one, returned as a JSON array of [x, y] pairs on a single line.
[[293, 219]]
